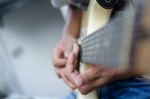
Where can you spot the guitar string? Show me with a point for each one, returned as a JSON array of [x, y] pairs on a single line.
[[117, 21]]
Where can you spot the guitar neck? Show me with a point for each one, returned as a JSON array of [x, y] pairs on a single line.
[[113, 44], [105, 45], [119, 43]]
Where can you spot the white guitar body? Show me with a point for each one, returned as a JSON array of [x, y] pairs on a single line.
[[93, 19]]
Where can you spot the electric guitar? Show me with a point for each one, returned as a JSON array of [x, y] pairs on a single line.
[[120, 42]]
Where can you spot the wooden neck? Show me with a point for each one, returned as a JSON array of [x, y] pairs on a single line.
[[113, 45], [101, 46]]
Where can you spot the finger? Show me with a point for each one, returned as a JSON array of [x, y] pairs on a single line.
[[72, 86], [71, 58], [71, 62], [105, 76], [76, 49], [93, 85], [58, 59], [71, 76], [91, 74], [60, 63]]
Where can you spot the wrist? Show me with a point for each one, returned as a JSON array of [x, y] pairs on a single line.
[[69, 35], [73, 23], [69, 38]]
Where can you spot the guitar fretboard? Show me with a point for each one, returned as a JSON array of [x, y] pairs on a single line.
[[106, 46]]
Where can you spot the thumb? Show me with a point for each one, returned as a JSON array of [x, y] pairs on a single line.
[[88, 76]]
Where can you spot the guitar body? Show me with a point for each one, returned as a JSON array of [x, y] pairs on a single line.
[[93, 19]]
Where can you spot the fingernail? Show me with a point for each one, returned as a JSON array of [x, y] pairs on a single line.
[[79, 81]]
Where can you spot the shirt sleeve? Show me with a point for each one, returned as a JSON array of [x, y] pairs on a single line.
[[59, 3]]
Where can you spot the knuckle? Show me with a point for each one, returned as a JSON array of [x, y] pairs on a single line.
[[88, 88], [55, 63], [88, 77], [83, 91], [72, 87]]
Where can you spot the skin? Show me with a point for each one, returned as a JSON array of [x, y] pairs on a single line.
[[70, 34], [65, 60], [95, 76]]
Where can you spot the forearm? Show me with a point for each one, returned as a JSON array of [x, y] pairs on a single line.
[[73, 22], [129, 72]]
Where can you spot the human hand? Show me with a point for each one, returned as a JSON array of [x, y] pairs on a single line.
[[95, 76], [71, 70], [60, 53]]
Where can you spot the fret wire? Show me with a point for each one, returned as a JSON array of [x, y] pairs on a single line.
[[95, 47]]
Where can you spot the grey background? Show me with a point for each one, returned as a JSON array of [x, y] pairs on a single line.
[[28, 38]]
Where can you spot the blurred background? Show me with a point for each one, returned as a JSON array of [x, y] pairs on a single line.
[[29, 29]]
